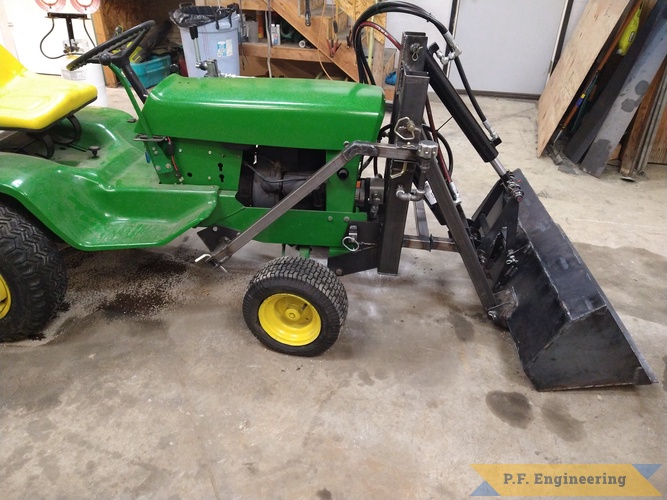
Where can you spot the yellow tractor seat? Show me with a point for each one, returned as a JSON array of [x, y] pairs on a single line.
[[29, 101]]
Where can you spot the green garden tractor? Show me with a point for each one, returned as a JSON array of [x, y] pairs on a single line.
[[285, 161]]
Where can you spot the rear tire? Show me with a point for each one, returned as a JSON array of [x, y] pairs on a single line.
[[32, 276], [295, 306]]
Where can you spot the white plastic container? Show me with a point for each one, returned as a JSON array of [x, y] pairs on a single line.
[[221, 45], [90, 73]]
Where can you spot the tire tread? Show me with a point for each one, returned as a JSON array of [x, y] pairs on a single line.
[[297, 271], [33, 256]]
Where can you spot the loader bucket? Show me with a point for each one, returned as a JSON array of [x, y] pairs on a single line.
[[566, 332]]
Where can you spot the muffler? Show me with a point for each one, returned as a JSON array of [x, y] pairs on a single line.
[[566, 332]]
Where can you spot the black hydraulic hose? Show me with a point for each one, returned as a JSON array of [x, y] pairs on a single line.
[[438, 137], [459, 111], [434, 135], [399, 7], [365, 73], [383, 132], [468, 89]]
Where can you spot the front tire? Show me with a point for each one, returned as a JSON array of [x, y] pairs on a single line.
[[32, 276], [295, 306]]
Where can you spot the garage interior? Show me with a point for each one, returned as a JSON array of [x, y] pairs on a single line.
[[147, 382]]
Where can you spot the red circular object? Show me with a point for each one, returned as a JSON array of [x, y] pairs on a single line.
[[86, 6], [51, 5]]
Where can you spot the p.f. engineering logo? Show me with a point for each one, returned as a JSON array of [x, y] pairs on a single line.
[[594, 480]]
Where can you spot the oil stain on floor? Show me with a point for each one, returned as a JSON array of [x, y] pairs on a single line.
[[513, 408]]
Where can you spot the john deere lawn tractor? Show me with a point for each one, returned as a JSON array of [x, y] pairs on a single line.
[[289, 161]]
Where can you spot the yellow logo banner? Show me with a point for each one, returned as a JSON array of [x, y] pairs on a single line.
[[594, 480]]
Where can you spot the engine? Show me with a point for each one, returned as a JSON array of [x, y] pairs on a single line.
[[268, 174]]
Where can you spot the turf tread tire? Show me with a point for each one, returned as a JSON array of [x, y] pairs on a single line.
[[34, 272], [308, 279]]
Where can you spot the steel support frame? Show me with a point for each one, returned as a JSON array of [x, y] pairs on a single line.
[[224, 251], [407, 118]]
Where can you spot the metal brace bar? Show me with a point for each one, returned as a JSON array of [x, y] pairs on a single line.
[[224, 252], [460, 235], [420, 219], [429, 243]]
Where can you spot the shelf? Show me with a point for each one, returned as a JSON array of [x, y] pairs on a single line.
[[287, 51], [254, 5]]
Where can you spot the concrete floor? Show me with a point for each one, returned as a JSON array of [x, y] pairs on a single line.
[[149, 385]]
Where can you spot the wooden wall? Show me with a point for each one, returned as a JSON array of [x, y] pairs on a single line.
[[129, 13]]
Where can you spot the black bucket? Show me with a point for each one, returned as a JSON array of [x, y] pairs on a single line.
[[566, 332]]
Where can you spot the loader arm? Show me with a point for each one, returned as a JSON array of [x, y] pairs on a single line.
[[566, 332]]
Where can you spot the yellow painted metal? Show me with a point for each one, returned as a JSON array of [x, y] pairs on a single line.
[[33, 102], [5, 298], [290, 319]]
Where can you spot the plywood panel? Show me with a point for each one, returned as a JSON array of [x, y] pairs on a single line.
[[594, 27]]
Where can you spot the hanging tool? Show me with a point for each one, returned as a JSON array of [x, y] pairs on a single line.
[[307, 13], [333, 44], [335, 19]]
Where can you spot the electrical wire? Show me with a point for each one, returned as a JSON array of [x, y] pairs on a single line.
[[444, 123], [382, 133], [434, 133], [173, 161]]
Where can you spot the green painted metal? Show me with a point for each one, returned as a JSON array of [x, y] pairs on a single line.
[[294, 113], [212, 163], [297, 227], [117, 201], [157, 151], [187, 174], [114, 201]]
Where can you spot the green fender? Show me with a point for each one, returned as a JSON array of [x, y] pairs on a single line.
[[111, 202], [89, 213]]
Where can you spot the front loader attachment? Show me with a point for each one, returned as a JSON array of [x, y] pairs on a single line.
[[566, 332], [533, 280]]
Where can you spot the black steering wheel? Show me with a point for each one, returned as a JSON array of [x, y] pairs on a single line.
[[103, 54]]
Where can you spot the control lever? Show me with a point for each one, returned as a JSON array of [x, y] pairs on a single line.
[[210, 65]]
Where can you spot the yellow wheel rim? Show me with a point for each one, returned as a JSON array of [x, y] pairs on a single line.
[[5, 298], [289, 319]]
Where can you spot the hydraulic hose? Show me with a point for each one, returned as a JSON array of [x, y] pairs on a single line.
[[365, 73]]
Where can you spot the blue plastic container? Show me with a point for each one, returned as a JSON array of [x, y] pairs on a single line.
[[154, 70]]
